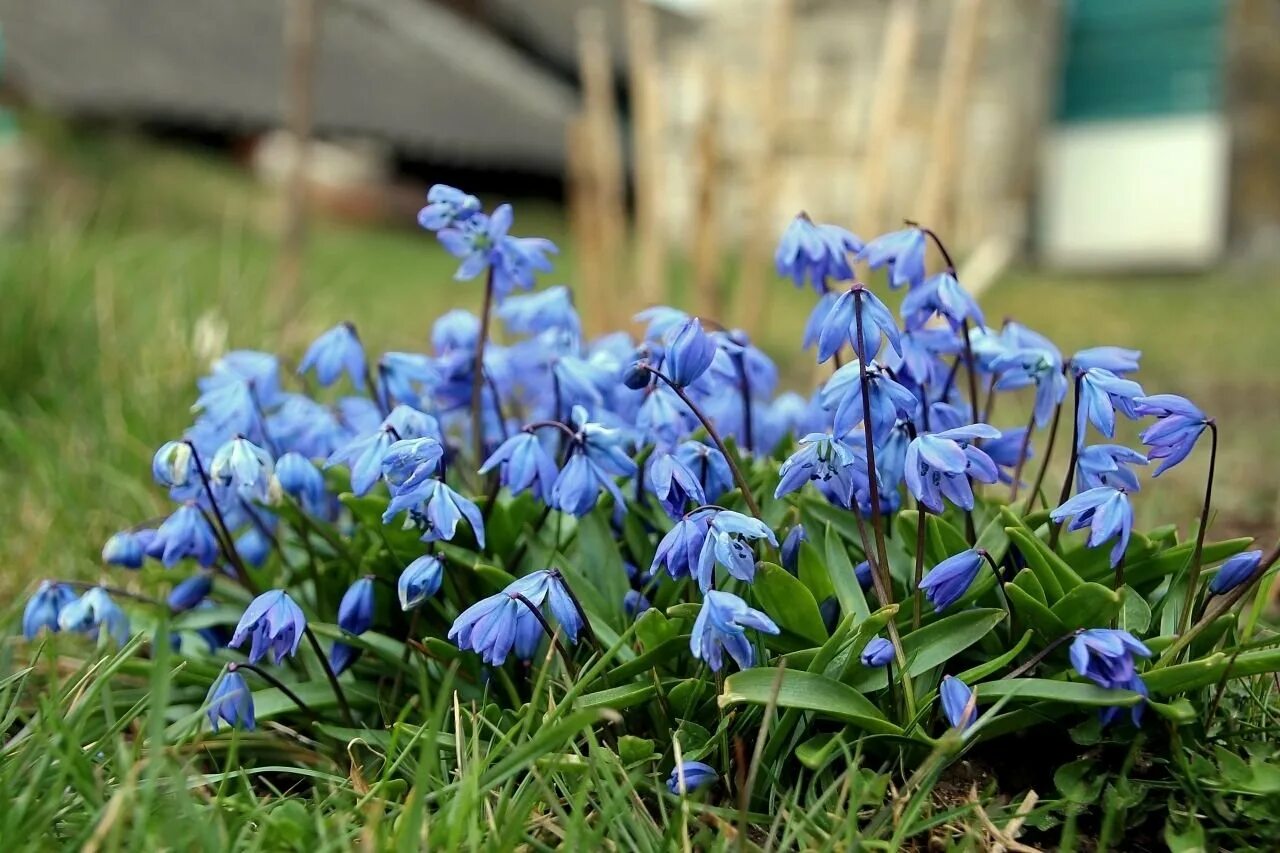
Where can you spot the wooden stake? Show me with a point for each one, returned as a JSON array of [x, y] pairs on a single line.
[[584, 222], [892, 83], [605, 154], [646, 143], [765, 171], [301, 25], [947, 131]]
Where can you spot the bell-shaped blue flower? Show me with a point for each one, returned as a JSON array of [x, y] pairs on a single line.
[[825, 461], [185, 533], [1107, 465], [1102, 394], [1105, 656], [44, 607], [890, 401], [551, 308], [727, 543], [190, 592], [943, 295], [410, 462], [789, 553], [688, 776], [355, 611], [243, 467], [950, 579], [689, 352], [1177, 428], [273, 623], [710, 467], [406, 377], [1118, 360], [958, 703], [94, 611], [720, 627], [174, 467], [902, 252], [230, 701], [679, 549], [840, 326], [437, 509], [1107, 513], [127, 549], [1235, 571], [877, 653], [634, 603], [455, 331], [447, 206], [815, 253], [939, 465], [1033, 366], [334, 353], [299, 478], [419, 581], [495, 626], [672, 483], [523, 463], [363, 456], [817, 319]]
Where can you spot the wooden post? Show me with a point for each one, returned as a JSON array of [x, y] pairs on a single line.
[[706, 226], [893, 78], [604, 143], [646, 150], [765, 170], [947, 130], [301, 33], [584, 222]]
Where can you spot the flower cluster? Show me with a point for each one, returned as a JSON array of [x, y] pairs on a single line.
[[526, 488]]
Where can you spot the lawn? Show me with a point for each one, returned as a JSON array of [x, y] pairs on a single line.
[[142, 261]]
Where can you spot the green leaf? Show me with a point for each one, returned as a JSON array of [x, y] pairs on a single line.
[[1046, 689], [1201, 673], [1034, 613], [807, 692], [843, 578], [1089, 605], [494, 577], [1053, 572], [663, 653], [1135, 614], [653, 628], [634, 750], [1029, 583], [819, 514], [788, 602], [1176, 558], [619, 697], [600, 580], [935, 644], [1079, 781], [982, 670], [813, 572]]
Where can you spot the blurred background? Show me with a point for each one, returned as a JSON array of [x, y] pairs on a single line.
[[178, 178]]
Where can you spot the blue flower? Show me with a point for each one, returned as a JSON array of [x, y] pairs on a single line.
[[672, 483], [523, 463], [840, 326], [902, 252], [231, 701], [727, 541], [297, 477], [1235, 571], [815, 252], [1176, 431], [890, 401], [790, 551], [404, 377], [678, 551], [825, 461], [689, 352], [660, 320], [578, 485], [174, 467], [710, 466], [335, 352], [1105, 465], [355, 611], [1005, 450], [1107, 513], [548, 309], [720, 627], [128, 548], [1105, 656], [44, 607], [244, 467], [92, 611], [1118, 360], [877, 653], [260, 370], [481, 242], [410, 462], [634, 603], [227, 410], [437, 509], [447, 206], [940, 465], [190, 593], [363, 456], [950, 579], [494, 626], [940, 294], [1038, 366], [689, 776], [662, 417], [1101, 394], [275, 624], [455, 331], [254, 546], [419, 581], [342, 655], [958, 702], [519, 258], [185, 533], [862, 572], [922, 361], [817, 318]]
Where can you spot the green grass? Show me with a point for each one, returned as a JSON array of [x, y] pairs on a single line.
[[141, 261]]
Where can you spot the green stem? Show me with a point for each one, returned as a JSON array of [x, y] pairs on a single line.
[[331, 675], [1056, 530]]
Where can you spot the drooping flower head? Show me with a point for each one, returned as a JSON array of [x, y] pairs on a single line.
[[230, 701], [1177, 428], [523, 462], [840, 325], [890, 401], [1102, 394], [1105, 656], [274, 623], [437, 509], [815, 253], [1108, 465], [419, 581], [720, 627], [877, 653], [1107, 513], [672, 483], [902, 252], [958, 703], [410, 462], [495, 626], [243, 467], [939, 465], [1235, 571], [299, 478], [94, 611], [185, 533], [334, 353], [355, 611], [44, 607], [688, 776], [447, 206], [827, 462], [689, 352], [710, 467], [942, 295], [190, 593], [949, 580], [127, 549]]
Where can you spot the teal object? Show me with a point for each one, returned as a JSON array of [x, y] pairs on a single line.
[[1135, 58]]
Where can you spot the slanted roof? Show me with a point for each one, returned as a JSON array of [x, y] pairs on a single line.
[[406, 71]]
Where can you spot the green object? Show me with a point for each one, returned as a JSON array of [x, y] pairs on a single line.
[[1140, 58]]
